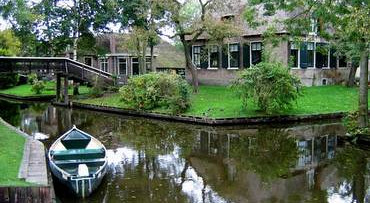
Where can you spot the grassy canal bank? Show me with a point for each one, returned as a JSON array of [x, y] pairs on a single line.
[[26, 90], [222, 102], [11, 154]]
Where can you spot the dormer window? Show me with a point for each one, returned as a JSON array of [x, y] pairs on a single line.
[[228, 18], [313, 26]]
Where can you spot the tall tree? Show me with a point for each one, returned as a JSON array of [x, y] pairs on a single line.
[[192, 18], [341, 22], [9, 43], [22, 18], [72, 19], [142, 18]]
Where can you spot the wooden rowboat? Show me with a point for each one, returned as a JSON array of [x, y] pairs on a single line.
[[79, 161]]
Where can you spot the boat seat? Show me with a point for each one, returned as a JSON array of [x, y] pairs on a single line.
[[75, 163], [74, 154]]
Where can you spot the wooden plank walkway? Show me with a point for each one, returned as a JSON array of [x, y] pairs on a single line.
[[33, 168]]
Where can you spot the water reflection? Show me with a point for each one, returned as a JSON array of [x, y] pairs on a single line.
[[156, 161]]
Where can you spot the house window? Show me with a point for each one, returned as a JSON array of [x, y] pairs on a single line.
[[294, 54], [88, 61], [233, 55], [310, 54], [135, 66], [256, 52], [322, 55], [307, 55], [313, 26], [196, 55], [342, 61], [213, 56], [147, 64], [103, 62], [122, 66]]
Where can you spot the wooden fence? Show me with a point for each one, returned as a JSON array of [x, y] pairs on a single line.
[[37, 194]]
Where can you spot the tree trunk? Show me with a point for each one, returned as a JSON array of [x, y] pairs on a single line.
[[144, 58], [75, 39], [151, 57], [189, 65], [352, 75], [363, 92]]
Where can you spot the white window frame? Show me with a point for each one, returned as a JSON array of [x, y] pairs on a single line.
[[313, 26], [118, 63], [314, 57], [209, 57], [103, 60], [314, 54], [299, 56], [192, 55], [250, 50], [228, 56]]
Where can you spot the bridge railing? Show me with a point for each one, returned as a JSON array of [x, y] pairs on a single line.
[[57, 64]]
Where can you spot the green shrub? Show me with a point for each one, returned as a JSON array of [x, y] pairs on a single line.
[[38, 86], [96, 92], [8, 80], [154, 90], [269, 85], [32, 78]]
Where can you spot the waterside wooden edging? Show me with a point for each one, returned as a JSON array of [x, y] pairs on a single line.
[[33, 169], [28, 98], [206, 120]]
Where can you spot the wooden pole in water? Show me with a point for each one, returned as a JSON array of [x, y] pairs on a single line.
[[66, 99], [58, 87]]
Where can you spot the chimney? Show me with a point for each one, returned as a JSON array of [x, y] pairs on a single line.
[[112, 44]]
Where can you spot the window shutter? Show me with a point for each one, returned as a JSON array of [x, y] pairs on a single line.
[[224, 58], [333, 59], [246, 52], [238, 56], [203, 57], [304, 55]]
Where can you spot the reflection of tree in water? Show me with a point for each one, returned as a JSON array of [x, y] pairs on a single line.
[[155, 137], [10, 112], [351, 163], [270, 154]]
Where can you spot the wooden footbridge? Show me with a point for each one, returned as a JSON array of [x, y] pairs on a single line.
[[58, 67]]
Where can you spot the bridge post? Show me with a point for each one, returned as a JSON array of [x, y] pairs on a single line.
[[66, 99], [58, 87]]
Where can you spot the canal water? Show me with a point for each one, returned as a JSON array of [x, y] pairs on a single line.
[[158, 161]]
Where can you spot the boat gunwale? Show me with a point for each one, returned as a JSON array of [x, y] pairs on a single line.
[[51, 160]]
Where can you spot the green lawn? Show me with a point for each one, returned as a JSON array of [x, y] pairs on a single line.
[[11, 153], [25, 90], [221, 102]]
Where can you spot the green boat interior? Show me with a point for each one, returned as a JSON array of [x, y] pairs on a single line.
[[76, 140], [77, 149]]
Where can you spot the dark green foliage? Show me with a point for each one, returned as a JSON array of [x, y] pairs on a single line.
[[350, 121], [38, 86], [154, 90], [269, 85], [97, 89], [32, 78], [8, 80], [271, 154]]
